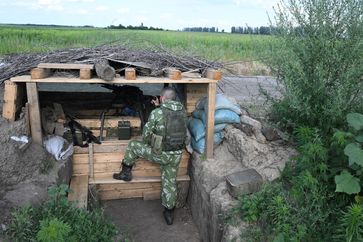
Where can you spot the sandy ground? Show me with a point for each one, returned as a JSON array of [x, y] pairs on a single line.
[[143, 221]]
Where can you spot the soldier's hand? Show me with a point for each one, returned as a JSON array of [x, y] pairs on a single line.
[[155, 101]]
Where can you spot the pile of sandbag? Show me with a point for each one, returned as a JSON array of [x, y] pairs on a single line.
[[225, 113]]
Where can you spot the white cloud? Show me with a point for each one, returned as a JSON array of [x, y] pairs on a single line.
[[55, 5], [101, 8], [81, 1], [81, 11], [266, 4], [123, 10]]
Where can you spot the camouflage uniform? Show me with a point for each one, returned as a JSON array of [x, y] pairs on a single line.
[[169, 160]]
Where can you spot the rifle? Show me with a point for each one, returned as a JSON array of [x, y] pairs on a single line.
[[87, 134]]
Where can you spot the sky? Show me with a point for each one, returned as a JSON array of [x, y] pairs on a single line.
[[167, 14]]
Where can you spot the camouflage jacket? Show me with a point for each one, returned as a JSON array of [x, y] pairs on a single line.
[[155, 123]]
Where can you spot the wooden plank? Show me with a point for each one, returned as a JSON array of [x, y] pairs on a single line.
[[110, 122], [85, 74], [139, 80], [9, 110], [59, 113], [10, 96], [39, 73], [128, 186], [108, 146], [35, 122], [66, 66], [130, 74], [210, 120], [90, 160], [10, 91], [79, 191], [27, 119], [110, 180], [115, 157], [107, 169]]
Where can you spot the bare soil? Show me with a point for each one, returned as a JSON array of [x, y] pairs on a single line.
[[143, 221]]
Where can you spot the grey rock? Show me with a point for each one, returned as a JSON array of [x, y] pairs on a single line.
[[256, 127], [270, 133], [267, 159], [243, 182]]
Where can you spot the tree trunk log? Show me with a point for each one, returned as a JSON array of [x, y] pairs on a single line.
[[104, 70]]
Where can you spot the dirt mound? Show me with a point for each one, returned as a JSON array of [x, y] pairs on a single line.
[[15, 165]]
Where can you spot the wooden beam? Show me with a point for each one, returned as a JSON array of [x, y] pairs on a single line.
[[27, 119], [210, 120], [130, 74], [79, 191], [59, 113], [10, 96], [34, 113], [85, 74], [39, 73], [65, 66], [90, 160], [110, 122], [140, 79], [134, 180]]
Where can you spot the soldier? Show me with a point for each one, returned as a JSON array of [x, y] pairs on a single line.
[[163, 142]]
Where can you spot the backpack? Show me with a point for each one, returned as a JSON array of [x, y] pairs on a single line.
[[175, 123]]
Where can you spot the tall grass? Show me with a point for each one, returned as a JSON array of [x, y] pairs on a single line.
[[213, 46]]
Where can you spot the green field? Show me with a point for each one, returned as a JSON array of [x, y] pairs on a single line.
[[213, 46]]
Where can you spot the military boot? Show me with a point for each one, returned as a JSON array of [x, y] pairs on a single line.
[[125, 174], [169, 216]]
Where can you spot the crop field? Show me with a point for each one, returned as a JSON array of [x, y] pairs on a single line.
[[213, 46]]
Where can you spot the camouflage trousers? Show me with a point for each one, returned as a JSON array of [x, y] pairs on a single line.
[[169, 164]]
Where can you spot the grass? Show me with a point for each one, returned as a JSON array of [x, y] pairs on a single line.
[[213, 46]]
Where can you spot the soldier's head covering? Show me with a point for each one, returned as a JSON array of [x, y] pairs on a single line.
[[168, 93]]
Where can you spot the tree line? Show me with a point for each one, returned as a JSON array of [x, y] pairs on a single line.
[[202, 29], [141, 27], [264, 30]]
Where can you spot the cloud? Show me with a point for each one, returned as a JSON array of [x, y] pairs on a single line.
[[266, 4], [101, 8], [55, 5], [81, 1], [123, 10]]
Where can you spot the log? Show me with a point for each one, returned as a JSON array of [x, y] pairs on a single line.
[[104, 70]]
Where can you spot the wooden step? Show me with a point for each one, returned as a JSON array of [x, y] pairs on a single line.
[[147, 188], [107, 146], [79, 191], [105, 164]]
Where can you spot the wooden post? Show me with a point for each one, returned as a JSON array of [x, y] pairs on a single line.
[[130, 74], [34, 112], [39, 73], [85, 74], [90, 160], [210, 120], [214, 74], [10, 96]]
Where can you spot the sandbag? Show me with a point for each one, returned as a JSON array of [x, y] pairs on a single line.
[[197, 128], [220, 116], [58, 147], [221, 103], [199, 146]]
